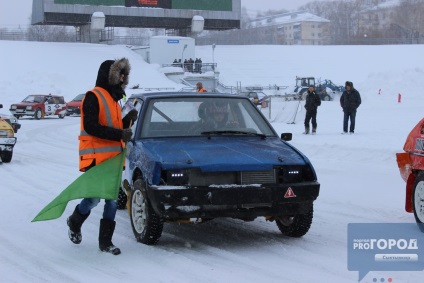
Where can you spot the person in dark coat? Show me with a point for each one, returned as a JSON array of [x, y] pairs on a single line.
[[349, 101], [311, 105], [111, 81]]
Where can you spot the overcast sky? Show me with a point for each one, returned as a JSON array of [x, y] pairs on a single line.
[[17, 12]]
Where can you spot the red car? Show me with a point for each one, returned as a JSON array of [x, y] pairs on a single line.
[[39, 106], [411, 166], [73, 106]]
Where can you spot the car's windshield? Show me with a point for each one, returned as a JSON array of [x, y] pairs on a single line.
[[79, 97], [176, 117], [33, 98]]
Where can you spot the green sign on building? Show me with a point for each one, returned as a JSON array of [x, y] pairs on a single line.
[[209, 5]]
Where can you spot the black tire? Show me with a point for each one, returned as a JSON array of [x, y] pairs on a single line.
[[146, 224], [122, 199], [6, 156], [17, 116], [418, 200], [38, 114], [326, 98], [61, 116], [295, 226]]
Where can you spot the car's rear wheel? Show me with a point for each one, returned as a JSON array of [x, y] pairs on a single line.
[[296, 225], [326, 97], [38, 114], [146, 224], [61, 116], [418, 200], [6, 156]]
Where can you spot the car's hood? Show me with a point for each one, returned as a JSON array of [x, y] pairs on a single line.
[[25, 103], [74, 103], [221, 153]]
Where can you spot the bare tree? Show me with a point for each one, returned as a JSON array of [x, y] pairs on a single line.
[[408, 18], [50, 33]]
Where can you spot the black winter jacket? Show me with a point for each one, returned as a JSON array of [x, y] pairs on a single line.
[[107, 76], [350, 101], [312, 101]]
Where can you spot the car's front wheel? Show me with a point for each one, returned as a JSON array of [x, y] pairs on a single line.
[[38, 114], [146, 224], [6, 156], [296, 225], [326, 97], [418, 200], [61, 116]]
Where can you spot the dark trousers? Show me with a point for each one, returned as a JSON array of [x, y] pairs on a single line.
[[311, 115], [347, 116]]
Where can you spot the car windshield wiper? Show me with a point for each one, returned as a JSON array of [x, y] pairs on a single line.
[[229, 132]]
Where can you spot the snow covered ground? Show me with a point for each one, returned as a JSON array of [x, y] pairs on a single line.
[[358, 173]]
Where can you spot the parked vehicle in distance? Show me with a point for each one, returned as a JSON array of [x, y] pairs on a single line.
[[257, 97], [196, 157], [73, 106], [302, 86], [7, 140], [40, 106], [411, 167], [12, 121]]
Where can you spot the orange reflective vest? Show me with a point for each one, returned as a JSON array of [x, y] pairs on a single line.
[[202, 90], [96, 149]]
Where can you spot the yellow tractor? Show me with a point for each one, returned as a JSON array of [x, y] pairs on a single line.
[[7, 140]]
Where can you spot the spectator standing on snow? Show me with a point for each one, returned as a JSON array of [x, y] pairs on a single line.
[[349, 101], [311, 105], [103, 136]]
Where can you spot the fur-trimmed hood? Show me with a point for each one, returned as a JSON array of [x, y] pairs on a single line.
[[110, 72]]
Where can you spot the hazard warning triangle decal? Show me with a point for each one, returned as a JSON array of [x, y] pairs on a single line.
[[289, 193]]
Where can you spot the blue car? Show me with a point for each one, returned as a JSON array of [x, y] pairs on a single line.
[[199, 156]]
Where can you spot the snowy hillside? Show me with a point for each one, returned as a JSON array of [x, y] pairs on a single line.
[[359, 178]]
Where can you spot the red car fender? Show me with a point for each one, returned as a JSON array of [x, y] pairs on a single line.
[[411, 161]]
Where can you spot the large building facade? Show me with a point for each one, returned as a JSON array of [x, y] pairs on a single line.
[[296, 28]]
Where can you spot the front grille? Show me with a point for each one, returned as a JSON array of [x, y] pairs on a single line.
[[258, 177]]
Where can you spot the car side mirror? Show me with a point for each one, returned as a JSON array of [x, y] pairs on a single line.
[[286, 136]]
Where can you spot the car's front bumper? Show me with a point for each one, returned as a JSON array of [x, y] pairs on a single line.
[[239, 201], [7, 144], [73, 111]]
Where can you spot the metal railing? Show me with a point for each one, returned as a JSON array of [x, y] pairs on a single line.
[[198, 68]]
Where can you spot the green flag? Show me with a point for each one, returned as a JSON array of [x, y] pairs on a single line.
[[101, 181]]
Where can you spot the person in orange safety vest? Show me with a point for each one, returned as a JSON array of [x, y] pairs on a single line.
[[199, 87], [103, 136]]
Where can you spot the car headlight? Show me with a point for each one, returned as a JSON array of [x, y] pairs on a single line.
[[13, 107], [176, 177], [29, 108]]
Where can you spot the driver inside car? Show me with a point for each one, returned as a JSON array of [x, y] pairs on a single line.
[[213, 116]]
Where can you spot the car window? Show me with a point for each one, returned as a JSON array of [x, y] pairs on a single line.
[[33, 98], [79, 97], [175, 117]]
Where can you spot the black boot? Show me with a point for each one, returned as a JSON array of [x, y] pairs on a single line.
[[75, 222], [107, 227]]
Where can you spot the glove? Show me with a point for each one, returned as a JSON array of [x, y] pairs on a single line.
[[126, 135], [133, 114]]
